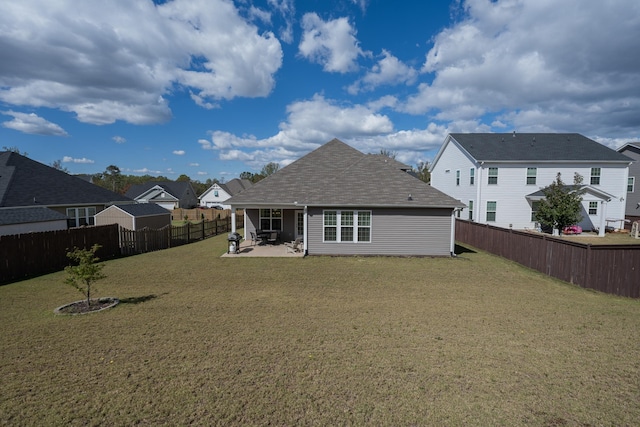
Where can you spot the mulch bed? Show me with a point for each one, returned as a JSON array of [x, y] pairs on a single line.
[[81, 307]]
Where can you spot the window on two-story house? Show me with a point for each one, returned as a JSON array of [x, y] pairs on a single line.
[[470, 210], [215, 193], [492, 208], [354, 226], [531, 176], [457, 177], [595, 176], [493, 176], [534, 210], [78, 217], [271, 219], [472, 176], [593, 208], [631, 184]]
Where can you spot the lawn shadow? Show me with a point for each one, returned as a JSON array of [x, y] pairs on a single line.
[[459, 249], [139, 300]]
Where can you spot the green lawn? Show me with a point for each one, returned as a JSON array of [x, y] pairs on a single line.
[[205, 340]]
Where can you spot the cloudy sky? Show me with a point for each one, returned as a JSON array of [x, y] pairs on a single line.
[[212, 88]]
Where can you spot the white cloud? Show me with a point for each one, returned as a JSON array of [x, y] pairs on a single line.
[[537, 66], [330, 43], [194, 164], [388, 71], [118, 61], [68, 159], [119, 139], [33, 124], [147, 171], [179, 152], [201, 173], [318, 120], [286, 8]]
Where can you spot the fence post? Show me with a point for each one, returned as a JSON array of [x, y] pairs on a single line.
[[587, 278]]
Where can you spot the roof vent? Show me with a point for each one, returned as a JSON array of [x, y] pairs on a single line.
[[514, 133]]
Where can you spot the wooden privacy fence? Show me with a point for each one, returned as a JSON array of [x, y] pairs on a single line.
[[148, 240], [33, 254], [198, 214], [614, 269]]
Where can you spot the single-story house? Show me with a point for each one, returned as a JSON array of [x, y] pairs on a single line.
[[168, 194], [25, 182], [30, 219], [217, 195], [135, 216], [340, 201]]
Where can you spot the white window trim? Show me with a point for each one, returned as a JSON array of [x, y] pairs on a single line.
[[589, 208], [489, 176], [632, 179], [534, 176], [270, 218], [495, 211], [339, 226]]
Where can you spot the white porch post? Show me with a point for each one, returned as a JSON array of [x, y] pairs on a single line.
[[233, 220], [453, 232], [603, 217], [305, 241]]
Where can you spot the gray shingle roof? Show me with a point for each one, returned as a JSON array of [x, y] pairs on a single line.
[[25, 182], [336, 174], [235, 186], [175, 188], [143, 209], [29, 214], [536, 147]]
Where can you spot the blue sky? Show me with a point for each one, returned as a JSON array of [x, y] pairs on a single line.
[[212, 88]]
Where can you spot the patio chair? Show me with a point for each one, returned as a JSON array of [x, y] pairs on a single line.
[[295, 246], [254, 239], [273, 238]]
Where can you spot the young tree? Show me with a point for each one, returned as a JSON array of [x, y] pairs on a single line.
[[388, 153], [87, 271], [562, 203]]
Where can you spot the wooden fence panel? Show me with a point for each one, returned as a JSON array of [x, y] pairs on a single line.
[[33, 254], [613, 269]]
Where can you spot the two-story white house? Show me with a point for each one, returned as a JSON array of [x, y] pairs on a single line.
[[216, 195], [499, 176]]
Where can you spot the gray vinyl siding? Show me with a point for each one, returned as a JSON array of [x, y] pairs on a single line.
[[398, 232], [288, 223]]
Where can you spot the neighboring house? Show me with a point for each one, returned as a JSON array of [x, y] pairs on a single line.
[[30, 219], [135, 216], [499, 176], [168, 194], [25, 182], [218, 194], [343, 202], [632, 150]]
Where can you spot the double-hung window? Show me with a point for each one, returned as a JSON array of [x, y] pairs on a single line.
[[78, 217], [347, 226], [271, 219], [631, 184], [492, 207], [493, 176], [472, 176], [593, 208], [457, 177], [595, 176], [531, 176], [471, 210], [534, 210]]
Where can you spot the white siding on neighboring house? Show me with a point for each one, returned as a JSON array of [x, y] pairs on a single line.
[[215, 196], [513, 209]]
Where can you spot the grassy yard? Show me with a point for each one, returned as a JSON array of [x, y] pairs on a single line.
[[205, 340]]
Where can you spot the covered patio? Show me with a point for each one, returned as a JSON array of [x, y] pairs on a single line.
[[248, 249]]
